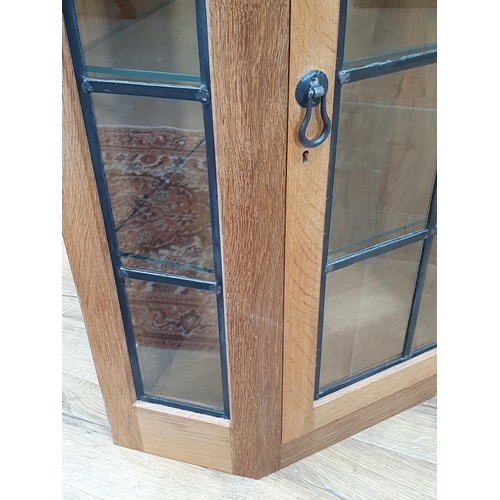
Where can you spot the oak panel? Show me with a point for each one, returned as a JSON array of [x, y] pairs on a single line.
[[186, 436]]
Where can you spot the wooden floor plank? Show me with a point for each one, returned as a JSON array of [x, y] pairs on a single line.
[[72, 493], [78, 364], [362, 471], [71, 307], [277, 487], [431, 402], [412, 433], [74, 335], [83, 399]]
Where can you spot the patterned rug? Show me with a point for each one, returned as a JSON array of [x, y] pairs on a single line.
[[157, 183]]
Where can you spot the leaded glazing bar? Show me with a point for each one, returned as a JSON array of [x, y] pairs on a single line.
[[421, 277], [170, 279], [370, 252]]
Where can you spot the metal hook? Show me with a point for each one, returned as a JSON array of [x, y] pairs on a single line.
[[311, 91]]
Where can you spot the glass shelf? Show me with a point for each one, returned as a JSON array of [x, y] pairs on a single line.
[[160, 44], [379, 30], [410, 227], [388, 56]]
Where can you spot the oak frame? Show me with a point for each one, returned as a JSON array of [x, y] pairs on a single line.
[[271, 332]]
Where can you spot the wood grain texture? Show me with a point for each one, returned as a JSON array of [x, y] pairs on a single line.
[[375, 388], [85, 241], [181, 435], [358, 420], [313, 45], [248, 42]]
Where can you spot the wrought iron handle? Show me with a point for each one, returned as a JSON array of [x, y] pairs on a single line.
[[311, 91]]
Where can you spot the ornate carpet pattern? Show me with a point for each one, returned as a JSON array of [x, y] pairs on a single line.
[[157, 183], [158, 186]]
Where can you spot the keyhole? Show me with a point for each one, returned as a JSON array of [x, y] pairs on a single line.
[[305, 157]]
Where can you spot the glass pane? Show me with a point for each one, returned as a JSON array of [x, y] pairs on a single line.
[[426, 328], [177, 341], [367, 307], [151, 40], [379, 30], [386, 159], [156, 171]]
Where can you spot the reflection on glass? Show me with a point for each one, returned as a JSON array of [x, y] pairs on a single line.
[[379, 30], [156, 172], [176, 335], [426, 328], [366, 313], [386, 158], [151, 40]]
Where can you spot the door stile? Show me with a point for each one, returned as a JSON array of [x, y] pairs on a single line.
[[313, 45]]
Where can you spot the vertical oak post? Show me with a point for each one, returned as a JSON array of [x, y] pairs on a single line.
[[248, 43]]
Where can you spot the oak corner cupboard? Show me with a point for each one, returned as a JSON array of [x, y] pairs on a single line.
[[249, 212]]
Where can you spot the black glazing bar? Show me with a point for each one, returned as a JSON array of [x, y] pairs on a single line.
[[170, 279], [183, 406], [143, 89], [387, 67], [329, 191], [373, 251], [201, 22], [432, 218], [102, 191], [421, 273]]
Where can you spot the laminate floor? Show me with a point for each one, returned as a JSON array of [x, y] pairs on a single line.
[[393, 460]]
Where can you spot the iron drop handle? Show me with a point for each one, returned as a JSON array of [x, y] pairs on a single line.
[[311, 91]]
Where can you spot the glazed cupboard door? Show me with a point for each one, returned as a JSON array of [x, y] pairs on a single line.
[[360, 269]]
